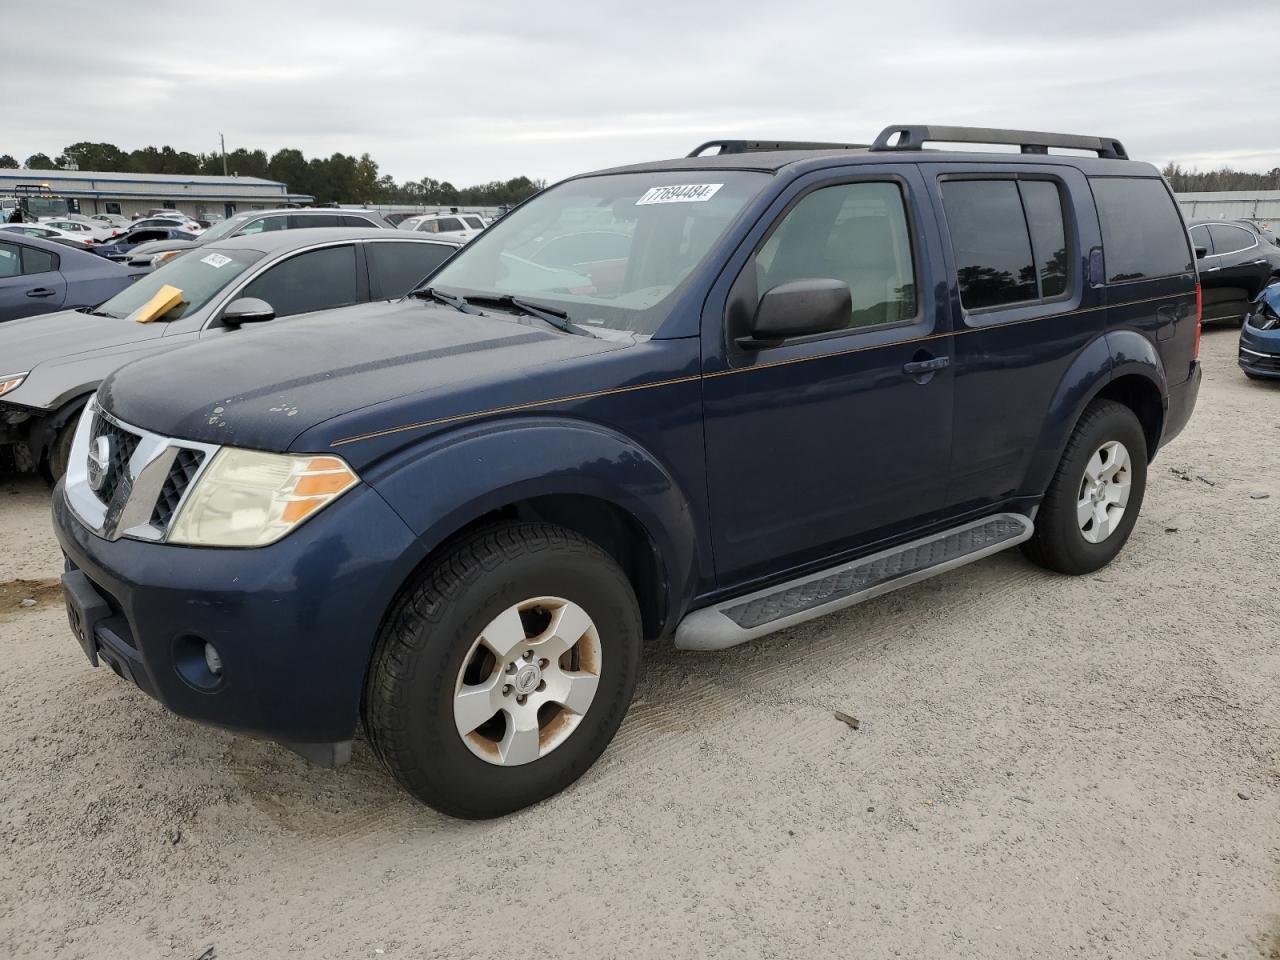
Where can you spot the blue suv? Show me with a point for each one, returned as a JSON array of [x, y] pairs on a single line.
[[750, 388]]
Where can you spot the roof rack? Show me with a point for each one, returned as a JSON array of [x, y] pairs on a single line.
[[758, 146], [914, 136]]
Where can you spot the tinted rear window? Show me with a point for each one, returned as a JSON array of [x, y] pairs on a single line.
[[1142, 233]]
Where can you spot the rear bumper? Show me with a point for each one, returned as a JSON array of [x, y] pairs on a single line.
[[294, 623], [1182, 401]]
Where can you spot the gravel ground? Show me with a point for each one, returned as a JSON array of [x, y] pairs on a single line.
[[1045, 767]]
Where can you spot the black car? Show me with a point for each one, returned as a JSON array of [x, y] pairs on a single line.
[[1235, 264], [42, 276], [119, 247], [1263, 231], [254, 222], [810, 376]]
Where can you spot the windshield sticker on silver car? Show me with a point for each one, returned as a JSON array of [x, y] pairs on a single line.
[[215, 260], [684, 193]]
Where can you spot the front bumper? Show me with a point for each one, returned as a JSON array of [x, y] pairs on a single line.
[[294, 622], [1260, 352]]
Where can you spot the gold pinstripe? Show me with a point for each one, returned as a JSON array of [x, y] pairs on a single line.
[[573, 398]]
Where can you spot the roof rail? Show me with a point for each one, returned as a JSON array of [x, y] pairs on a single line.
[[757, 146], [914, 136]]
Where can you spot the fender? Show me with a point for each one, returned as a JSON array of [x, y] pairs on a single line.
[[1111, 355], [447, 481], [44, 428]]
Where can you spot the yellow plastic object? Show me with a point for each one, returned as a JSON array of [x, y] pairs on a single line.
[[166, 298]]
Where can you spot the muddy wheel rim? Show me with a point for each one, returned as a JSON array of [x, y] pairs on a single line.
[[1104, 491], [527, 681]]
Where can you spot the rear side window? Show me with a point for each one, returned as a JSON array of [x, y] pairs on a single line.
[[1200, 238], [474, 223], [315, 280], [396, 268], [855, 232], [1009, 239], [1142, 233], [38, 261], [314, 220], [448, 223], [1230, 239]]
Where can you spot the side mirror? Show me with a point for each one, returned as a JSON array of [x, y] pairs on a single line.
[[1201, 252], [248, 310], [798, 309]]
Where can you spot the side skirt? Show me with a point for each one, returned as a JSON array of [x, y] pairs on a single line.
[[736, 621]]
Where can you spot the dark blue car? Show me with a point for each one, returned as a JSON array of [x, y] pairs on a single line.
[[1260, 336], [119, 247], [39, 276], [811, 375]]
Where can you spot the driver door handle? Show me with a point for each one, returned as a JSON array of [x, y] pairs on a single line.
[[40, 292], [916, 367]]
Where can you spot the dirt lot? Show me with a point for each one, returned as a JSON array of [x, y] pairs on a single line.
[[1045, 767]]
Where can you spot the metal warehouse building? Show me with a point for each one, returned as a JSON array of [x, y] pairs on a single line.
[[206, 198], [1260, 205]]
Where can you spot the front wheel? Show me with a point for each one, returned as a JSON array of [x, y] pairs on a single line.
[[504, 670], [1094, 498]]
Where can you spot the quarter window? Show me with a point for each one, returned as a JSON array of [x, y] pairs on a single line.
[[1142, 233], [855, 232], [316, 280]]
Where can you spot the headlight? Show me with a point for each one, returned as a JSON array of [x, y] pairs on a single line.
[[10, 382], [246, 498], [164, 257]]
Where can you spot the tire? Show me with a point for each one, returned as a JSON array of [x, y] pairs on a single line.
[[1060, 542], [435, 639], [55, 464]]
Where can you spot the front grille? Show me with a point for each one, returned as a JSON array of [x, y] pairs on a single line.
[[185, 467], [123, 444]]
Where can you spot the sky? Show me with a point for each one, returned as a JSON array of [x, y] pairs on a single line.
[[479, 90]]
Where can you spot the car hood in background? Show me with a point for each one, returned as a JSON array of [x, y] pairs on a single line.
[[64, 350], [262, 388]]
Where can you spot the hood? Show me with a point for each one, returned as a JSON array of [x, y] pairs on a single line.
[[263, 387], [160, 246], [64, 350]]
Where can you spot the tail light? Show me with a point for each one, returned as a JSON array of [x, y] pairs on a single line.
[[1195, 351]]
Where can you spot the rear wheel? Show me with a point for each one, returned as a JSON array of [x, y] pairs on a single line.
[[504, 670], [1093, 501]]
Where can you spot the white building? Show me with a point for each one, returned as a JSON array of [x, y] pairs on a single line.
[[205, 198], [1262, 206]]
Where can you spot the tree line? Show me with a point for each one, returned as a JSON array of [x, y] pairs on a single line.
[[1193, 181], [336, 179]]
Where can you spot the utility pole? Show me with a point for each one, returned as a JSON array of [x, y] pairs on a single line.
[[223, 140]]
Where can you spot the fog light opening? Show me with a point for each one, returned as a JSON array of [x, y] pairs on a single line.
[[212, 659]]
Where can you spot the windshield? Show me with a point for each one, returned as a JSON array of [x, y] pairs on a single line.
[[200, 276], [226, 227], [610, 250]]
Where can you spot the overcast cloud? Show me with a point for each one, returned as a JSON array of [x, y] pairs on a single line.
[[471, 91]]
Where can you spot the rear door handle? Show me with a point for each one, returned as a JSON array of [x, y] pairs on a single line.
[[40, 292], [917, 367]]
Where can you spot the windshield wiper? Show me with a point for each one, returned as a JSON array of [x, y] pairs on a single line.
[[431, 293], [553, 315]]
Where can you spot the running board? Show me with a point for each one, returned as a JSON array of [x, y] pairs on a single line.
[[784, 605]]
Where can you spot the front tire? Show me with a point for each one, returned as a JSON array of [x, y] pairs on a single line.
[[1096, 494], [504, 669], [55, 464]]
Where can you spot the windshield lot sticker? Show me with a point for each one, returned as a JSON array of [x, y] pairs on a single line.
[[686, 193], [215, 260]]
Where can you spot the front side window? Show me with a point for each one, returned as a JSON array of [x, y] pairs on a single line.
[[10, 261], [397, 268], [315, 280], [200, 276], [673, 219], [1143, 236], [1200, 238], [854, 232], [1229, 239]]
